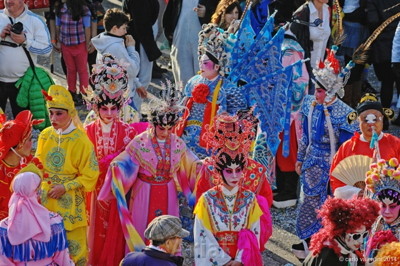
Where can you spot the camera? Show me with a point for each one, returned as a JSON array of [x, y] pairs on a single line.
[[17, 28]]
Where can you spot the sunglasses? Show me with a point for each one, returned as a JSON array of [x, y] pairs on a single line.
[[358, 235]]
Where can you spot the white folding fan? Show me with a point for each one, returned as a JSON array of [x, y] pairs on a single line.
[[352, 169]]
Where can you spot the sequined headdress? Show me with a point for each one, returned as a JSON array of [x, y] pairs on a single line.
[[329, 75], [215, 42], [229, 135], [166, 110], [383, 179], [110, 82]]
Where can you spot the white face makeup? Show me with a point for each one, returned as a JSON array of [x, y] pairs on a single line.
[[108, 113], [389, 210], [371, 119], [355, 239], [232, 174]]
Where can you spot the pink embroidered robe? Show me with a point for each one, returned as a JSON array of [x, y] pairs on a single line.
[[136, 168]]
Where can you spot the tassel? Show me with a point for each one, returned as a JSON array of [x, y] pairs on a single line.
[[47, 97]]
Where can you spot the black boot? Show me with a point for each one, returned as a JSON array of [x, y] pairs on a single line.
[[288, 197], [301, 250], [280, 182]]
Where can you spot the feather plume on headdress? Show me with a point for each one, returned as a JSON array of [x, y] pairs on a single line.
[[330, 77], [166, 110], [338, 35], [360, 54]]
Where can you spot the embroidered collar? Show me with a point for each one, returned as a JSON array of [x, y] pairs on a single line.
[[106, 128], [228, 192], [362, 138], [68, 130]]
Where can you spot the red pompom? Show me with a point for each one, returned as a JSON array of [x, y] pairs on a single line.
[[321, 64], [200, 93], [47, 97]]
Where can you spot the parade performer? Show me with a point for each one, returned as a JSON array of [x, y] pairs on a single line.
[[346, 224], [226, 126], [154, 167], [231, 224], [286, 177], [30, 228], [109, 136], [363, 149], [15, 152], [69, 159], [203, 93], [383, 181], [325, 127]]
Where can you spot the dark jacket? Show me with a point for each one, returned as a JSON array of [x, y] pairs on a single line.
[[378, 11], [144, 14], [151, 257], [328, 257], [173, 11]]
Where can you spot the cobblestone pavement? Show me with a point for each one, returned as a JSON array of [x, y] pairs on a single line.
[[278, 247]]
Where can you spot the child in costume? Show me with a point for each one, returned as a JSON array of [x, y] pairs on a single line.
[[32, 235], [15, 152], [69, 159], [109, 136], [203, 93], [154, 167], [254, 178], [346, 224], [230, 225], [325, 127], [383, 181]]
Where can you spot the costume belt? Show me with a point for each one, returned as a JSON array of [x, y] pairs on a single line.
[[228, 241], [154, 180], [194, 123]]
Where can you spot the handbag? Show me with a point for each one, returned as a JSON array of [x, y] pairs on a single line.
[[30, 87]]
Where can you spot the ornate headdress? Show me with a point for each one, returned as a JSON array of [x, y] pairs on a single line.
[[383, 179], [16, 131], [215, 44], [369, 102], [330, 77], [166, 110], [229, 135], [110, 82]]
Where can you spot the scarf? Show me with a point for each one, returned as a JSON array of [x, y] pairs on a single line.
[[27, 218]]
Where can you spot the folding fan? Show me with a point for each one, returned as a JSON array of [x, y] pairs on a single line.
[[352, 169]]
